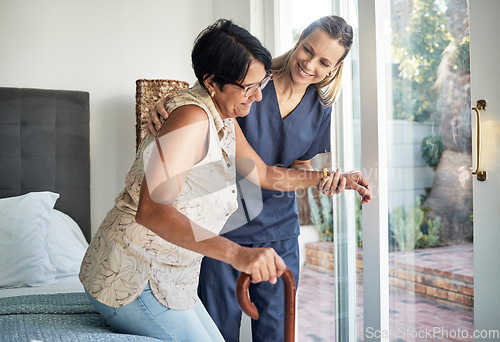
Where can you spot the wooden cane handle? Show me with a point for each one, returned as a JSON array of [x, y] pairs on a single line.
[[249, 308], [242, 297]]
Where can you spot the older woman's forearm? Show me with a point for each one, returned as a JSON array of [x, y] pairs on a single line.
[[286, 179], [167, 222], [263, 264]]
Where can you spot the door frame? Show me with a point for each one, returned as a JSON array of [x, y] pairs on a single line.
[[374, 158], [485, 73]]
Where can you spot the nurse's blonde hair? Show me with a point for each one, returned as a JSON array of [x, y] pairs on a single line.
[[337, 28]]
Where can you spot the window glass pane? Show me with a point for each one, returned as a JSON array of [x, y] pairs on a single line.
[[430, 188], [295, 16], [316, 290]]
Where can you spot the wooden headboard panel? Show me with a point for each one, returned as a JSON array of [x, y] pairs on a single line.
[[44, 146]]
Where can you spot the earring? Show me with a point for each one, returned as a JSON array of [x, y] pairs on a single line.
[[212, 93]]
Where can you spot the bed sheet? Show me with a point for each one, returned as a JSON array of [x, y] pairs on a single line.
[[63, 285], [60, 312]]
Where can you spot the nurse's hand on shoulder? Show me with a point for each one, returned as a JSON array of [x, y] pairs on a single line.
[[154, 123], [262, 264]]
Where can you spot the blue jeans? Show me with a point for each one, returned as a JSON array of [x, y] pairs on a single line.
[[146, 316]]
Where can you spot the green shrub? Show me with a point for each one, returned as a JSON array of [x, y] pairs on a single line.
[[410, 230], [432, 148], [431, 237], [321, 215], [405, 226], [359, 223]]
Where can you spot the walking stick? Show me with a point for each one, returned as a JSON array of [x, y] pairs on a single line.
[[249, 308]]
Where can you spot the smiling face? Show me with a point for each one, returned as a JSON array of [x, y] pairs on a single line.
[[231, 101], [316, 55]]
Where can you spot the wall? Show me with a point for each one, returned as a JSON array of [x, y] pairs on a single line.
[[408, 173], [101, 47], [236, 10]]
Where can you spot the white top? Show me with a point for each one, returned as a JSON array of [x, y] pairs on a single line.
[[123, 255]]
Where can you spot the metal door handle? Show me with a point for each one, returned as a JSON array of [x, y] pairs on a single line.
[[481, 175]]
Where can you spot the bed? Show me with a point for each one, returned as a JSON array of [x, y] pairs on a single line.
[[45, 218]]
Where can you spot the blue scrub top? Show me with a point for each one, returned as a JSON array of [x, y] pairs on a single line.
[[304, 133]]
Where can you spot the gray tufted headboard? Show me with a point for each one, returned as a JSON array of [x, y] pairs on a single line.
[[44, 146]]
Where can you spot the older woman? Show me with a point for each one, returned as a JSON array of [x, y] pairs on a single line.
[[141, 268]]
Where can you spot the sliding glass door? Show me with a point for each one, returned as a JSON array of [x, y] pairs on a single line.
[[423, 229], [417, 262]]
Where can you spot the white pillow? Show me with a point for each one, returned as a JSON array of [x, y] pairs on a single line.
[[66, 244], [23, 229]]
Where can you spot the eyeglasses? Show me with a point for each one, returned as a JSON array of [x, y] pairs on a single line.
[[251, 88]]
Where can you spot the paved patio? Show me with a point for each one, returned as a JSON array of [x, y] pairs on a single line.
[[410, 313]]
